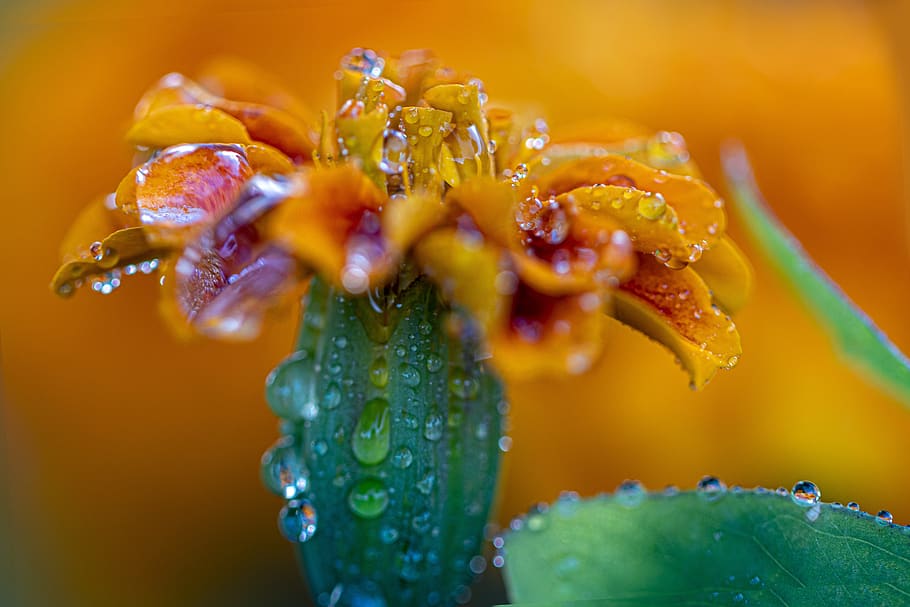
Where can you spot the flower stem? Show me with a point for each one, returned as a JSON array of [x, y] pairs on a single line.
[[394, 421]]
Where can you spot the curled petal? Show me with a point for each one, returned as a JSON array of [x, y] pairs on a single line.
[[102, 241], [548, 334], [263, 123], [332, 225], [472, 274], [727, 273], [230, 78], [698, 208], [226, 280], [674, 307], [176, 124]]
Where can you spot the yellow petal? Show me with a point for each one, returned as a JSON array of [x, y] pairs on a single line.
[[469, 140], [674, 307], [406, 219], [425, 129], [466, 270], [177, 124], [727, 273], [491, 204], [101, 241]]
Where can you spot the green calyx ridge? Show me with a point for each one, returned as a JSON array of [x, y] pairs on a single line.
[[392, 424]]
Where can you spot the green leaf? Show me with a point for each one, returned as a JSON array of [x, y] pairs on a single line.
[[697, 548], [860, 341]]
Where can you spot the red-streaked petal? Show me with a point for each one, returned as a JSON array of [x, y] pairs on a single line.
[[674, 307]]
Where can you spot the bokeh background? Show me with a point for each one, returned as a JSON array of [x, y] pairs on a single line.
[[131, 460]]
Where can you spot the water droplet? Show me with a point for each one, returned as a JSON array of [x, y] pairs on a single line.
[[283, 471], [884, 517], [320, 447], [477, 565], [853, 506], [711, 488], [738, 597], [462, 385], [755, 581], [536, 522], [409, 375], [106, 283], [806, 493], [652, 206], [297, 521], [421, 522], [365, 61], [630, 493], [505, 443], [388, 534], [340, 341], [434, 363], [402, 458], [425, 484], [289, 387], [394, 152], [379, 372], [370, 440], [368, 498], [433, 427], [331, 398]]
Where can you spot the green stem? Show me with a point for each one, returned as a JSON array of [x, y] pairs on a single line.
[[394, 423]]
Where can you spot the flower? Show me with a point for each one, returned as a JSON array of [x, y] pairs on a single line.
[[240, 198]]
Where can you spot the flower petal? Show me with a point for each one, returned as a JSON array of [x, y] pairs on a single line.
[[469, 272], [228, 278], [727, 273], [425, 129], [548, 334], [332, 225], [101, 241], [406, 219], [263, 123], [697, 206], [176, 124], [469, 140], [674, 307]]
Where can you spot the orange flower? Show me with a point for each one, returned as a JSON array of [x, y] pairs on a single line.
[[538, 238]]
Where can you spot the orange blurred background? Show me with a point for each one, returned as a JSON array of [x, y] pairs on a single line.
[[132, 460]]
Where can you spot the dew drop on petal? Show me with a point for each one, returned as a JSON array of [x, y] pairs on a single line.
[[853, 506], [884, 517]]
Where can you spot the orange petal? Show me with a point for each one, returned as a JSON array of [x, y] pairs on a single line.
[[411, 70], [697, 206], [727, 272], [548, 335], [492, 206], [176, 124], [333, 226], [470, 273], [183, 188], [674, 307], [101, 242], [231, 78], [263, 123], [406, 219]]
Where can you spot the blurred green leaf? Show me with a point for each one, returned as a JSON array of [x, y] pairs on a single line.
[[692, 548], [860, 341]]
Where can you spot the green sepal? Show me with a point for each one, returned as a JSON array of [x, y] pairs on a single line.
[[397, 421]]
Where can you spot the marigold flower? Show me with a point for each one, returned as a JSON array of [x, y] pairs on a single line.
[[239, 199]]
